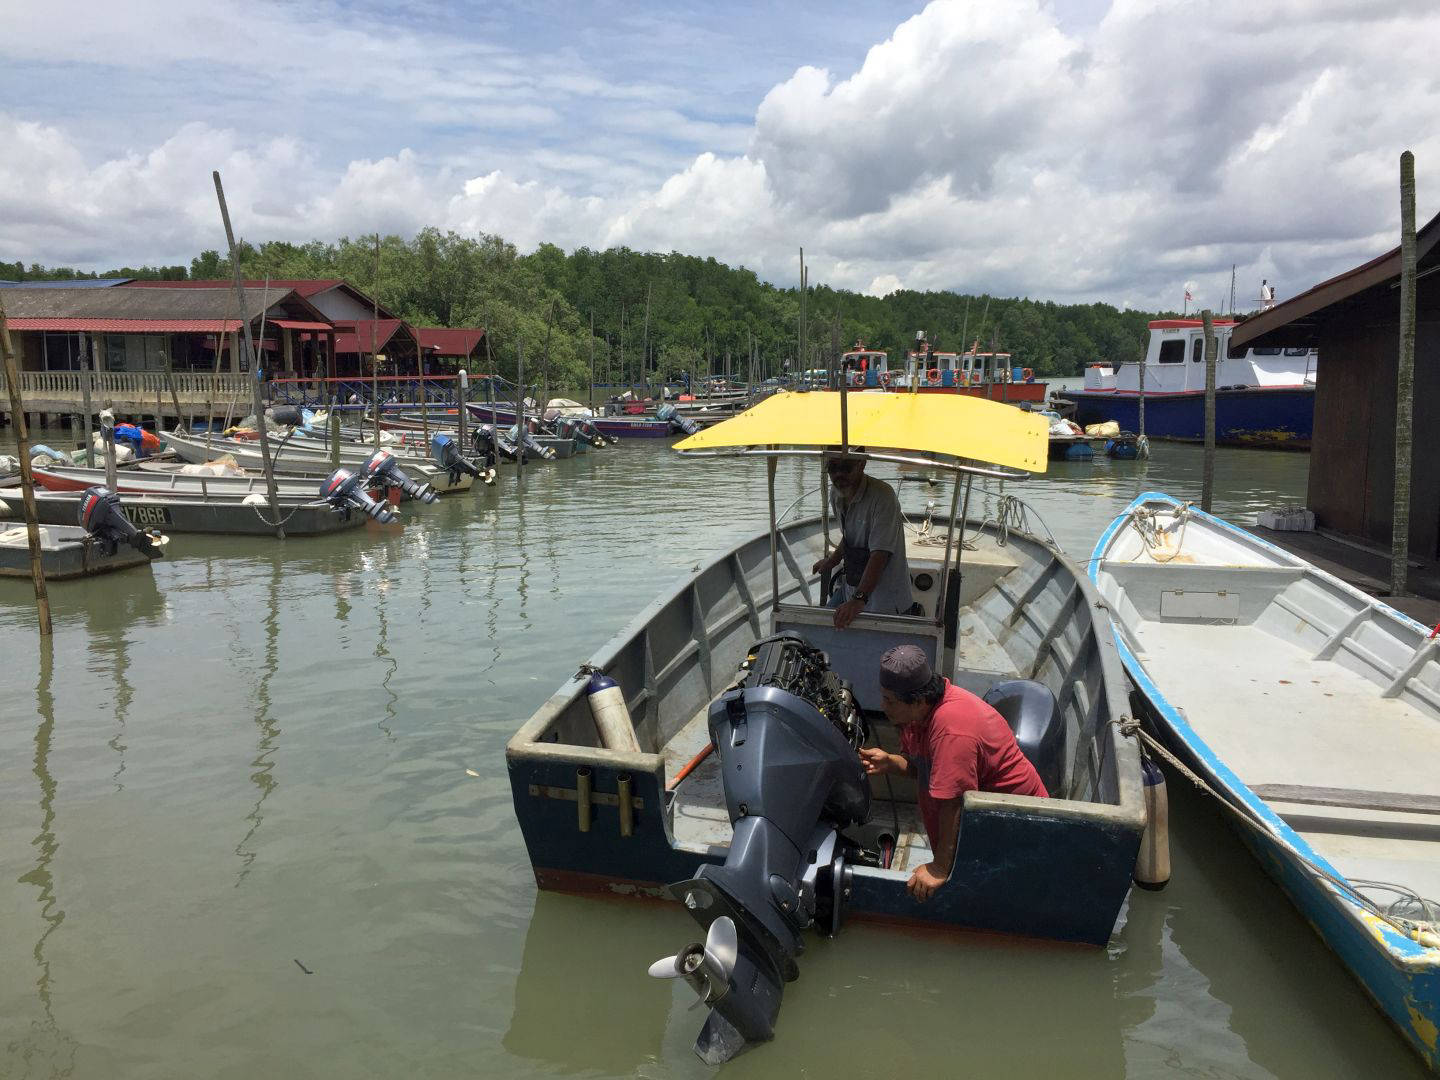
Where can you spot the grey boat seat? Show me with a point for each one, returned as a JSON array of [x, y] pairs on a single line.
[[1034, 716]]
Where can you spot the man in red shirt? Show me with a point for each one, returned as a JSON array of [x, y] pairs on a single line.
[[951, 742]]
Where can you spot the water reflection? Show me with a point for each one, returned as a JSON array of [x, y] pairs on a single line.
[[261, 765], [46, 1042]]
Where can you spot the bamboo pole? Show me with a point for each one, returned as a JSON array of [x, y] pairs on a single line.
[[269, 466], [1207, 481], [170, 381], [592, 363], [1404, 383], [27, 481], [374, 357], [519, 408], [86, 349]]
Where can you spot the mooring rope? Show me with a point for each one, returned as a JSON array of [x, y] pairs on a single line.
[[1406, 927], [1147, 524]]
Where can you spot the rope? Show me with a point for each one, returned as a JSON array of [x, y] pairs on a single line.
[[1406, 927], [1152, 533]]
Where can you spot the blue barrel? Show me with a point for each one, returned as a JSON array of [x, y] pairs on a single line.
[[947, 377]]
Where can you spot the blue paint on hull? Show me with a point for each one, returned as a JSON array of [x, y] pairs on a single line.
[[1280, 417], [1400, 976], [1038, 875]]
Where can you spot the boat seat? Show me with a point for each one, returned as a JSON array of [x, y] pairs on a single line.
[[1034, 716]]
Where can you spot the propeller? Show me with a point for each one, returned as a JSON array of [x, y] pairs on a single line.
[[705, 967]]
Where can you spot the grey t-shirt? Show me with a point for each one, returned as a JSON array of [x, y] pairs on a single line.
[[871, 519]]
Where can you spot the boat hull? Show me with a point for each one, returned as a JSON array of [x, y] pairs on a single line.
[[1055, 868], [219, 517], [66, 551], [1005, 392], [625, 427], [1399, 975], [1278, 417]]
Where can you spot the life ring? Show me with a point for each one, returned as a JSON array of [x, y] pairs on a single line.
[[857, 379], [933, 375], [885, 378], [1028, 374]]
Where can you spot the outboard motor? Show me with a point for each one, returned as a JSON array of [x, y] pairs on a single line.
[[445, 452], [526, 440], [101, 517], [345, 491], [681, 424], [586, 431], [382, 470], [486, 440], [787, 736]]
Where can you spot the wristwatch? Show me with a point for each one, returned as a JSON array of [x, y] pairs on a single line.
[[861, 595]]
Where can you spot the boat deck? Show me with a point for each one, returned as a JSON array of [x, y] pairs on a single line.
[[701, 822], [1368, 796]]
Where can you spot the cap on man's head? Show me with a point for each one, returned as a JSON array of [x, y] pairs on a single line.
[[903, 669]]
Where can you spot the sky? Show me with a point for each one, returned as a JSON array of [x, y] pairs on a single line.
[[1066, 150]]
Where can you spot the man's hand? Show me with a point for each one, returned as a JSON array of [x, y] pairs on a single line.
[[824, 566], [923, 882], [876, 761], [846, 612]]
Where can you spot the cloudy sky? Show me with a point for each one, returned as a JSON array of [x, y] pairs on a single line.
[[1073, 150]]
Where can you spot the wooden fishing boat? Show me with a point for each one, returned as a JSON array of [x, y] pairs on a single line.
[[221, 516], [632, 821], [1313, 709], [308, 457], [67, 550], [625, 427], [156, 479]]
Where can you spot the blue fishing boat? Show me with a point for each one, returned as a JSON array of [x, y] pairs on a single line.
[[1265, 398], [1313, 710], [634, 778]]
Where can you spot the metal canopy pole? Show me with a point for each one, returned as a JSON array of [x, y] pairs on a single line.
[[940, 612], [770, 464]]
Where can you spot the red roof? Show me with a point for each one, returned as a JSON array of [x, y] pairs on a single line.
[[128, 326], [456, 342], [355, 336], [305, 287], [298, 324]]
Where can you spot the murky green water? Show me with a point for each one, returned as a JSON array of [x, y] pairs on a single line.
[[255, 757]]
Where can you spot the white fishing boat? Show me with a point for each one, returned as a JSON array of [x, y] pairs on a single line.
[[307, 457], [1313, 710]]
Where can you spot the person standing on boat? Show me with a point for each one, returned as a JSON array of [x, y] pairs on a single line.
[[951, 742], [872, 542]]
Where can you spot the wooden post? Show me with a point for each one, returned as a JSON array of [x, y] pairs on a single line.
[[1207, 481], [27, 482], [107, 440], [645, 352], [334, 425], [462, 407], [494, 422], [374, 358], [519, 408], [1404, 383], [424, 399], [86, 349], [269, 466], [592, 364], [1141, 401], [170, 381]]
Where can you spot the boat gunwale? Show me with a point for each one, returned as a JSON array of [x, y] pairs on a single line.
[[1127, 812]]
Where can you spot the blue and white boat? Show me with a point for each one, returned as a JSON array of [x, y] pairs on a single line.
[[1313, 709], [1265, 398]]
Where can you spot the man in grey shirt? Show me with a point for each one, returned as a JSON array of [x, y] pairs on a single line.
[[872, 542]]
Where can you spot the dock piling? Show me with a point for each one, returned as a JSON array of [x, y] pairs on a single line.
[[27, 481], [1207, 481], [1404, 383]]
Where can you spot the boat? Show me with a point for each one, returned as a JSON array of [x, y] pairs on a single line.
[[94, 539], [303, 457], [1265, 398], [221, 516], [642, 811], [1313, 710], [171, 483], [625, 427], [989, 375]]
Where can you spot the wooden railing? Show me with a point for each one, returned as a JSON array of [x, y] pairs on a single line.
[[139, 384]]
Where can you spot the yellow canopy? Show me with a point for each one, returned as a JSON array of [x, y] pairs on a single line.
[[952, 425]]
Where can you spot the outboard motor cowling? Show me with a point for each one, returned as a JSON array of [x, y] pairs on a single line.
[[786, 736], [345, 491], [529, 443], [382, 470], [681, 424], [100, 516], [445, 452]]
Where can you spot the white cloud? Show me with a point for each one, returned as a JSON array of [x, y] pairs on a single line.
[[979, 147]]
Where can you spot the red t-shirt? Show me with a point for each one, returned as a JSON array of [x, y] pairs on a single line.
[[964, 745]]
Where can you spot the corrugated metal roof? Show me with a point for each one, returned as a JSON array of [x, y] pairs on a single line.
[[75, 283], [306, 287], [127, 326], [156, 303], [298, 324], [450, 341]]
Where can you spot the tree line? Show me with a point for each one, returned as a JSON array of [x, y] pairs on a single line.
[[656, 315]]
